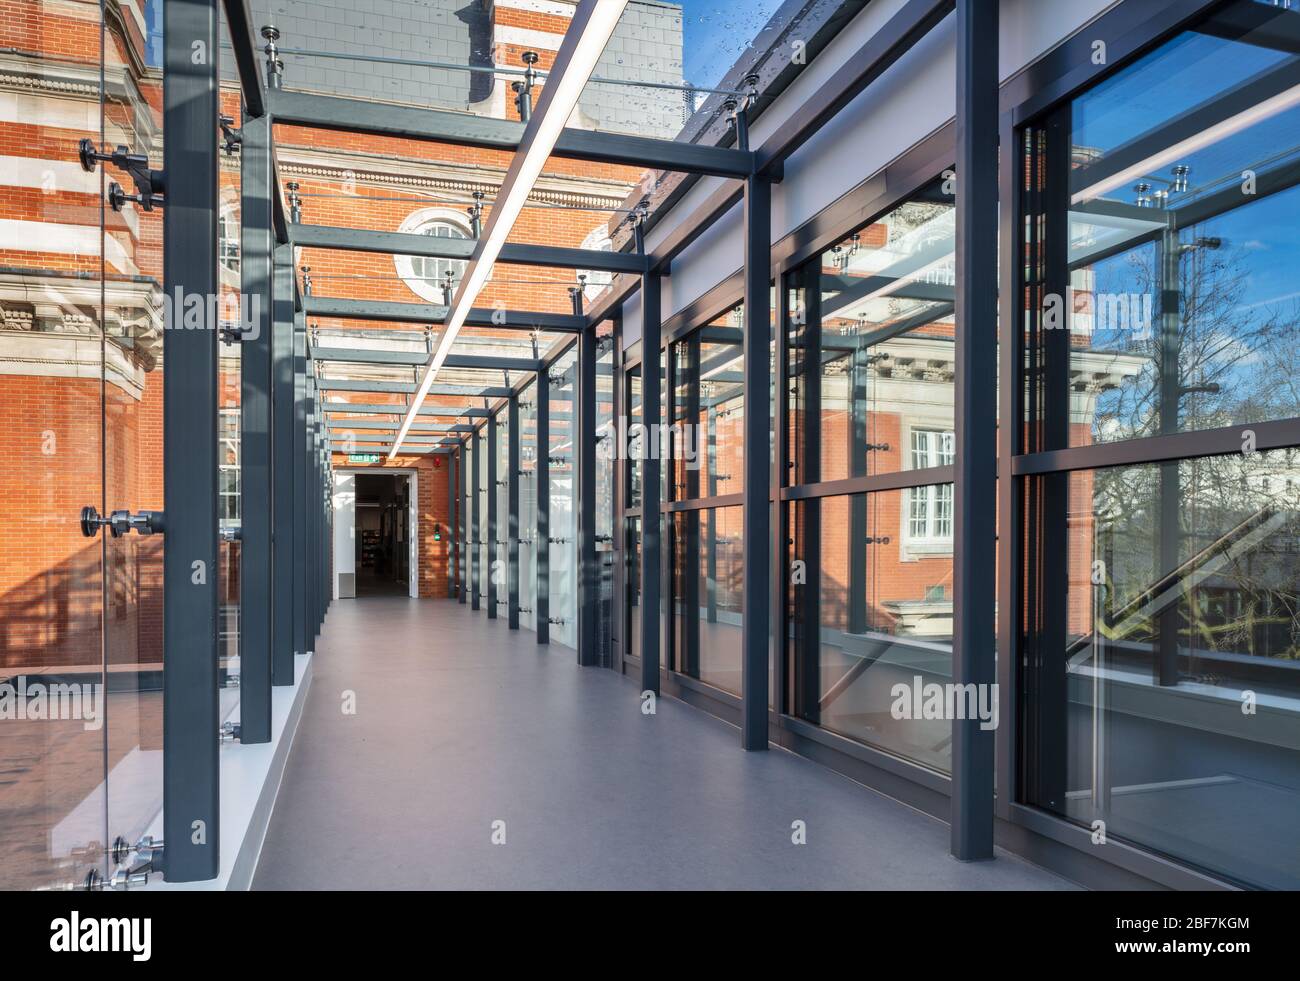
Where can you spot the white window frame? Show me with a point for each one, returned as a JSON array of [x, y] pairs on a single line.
[[413, 275], [937, 453]]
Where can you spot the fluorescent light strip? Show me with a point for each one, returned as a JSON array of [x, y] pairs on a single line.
[[593, 24]]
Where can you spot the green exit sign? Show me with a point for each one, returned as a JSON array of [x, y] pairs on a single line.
[[363, 458]]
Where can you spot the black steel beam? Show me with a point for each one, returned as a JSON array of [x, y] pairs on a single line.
[[239, 22], [257, 265], [975, 491], [300, 498], [467, 129], [412, 243], [191, 786], [462, 526], [476, 521], [408, 388], [584, 455], [346, 425], [283, 503], [542, 534], [413, 358], [453, 523], [512, 512], [492, 516], [757, 527], [651, 523], [431, 313], [375, 408]]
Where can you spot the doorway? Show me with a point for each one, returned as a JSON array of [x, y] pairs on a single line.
[[375, 533], [381, 545]]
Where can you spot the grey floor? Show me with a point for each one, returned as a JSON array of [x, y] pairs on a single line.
[[461, 723]]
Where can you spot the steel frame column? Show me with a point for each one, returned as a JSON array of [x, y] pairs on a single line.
[[282, 460], [312, 505], [257, 252], [453, 525], [584, 456], [191, 788], [475, 555], [975, 493], [298, 500], [651, 483], [542, 534], [492, 517], [462, 556], [512, 519], [756, 629]]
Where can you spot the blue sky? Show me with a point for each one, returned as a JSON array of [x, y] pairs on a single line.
[[716, 32]]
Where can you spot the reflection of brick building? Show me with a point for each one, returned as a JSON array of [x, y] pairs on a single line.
[[80, 338], [80, 343]]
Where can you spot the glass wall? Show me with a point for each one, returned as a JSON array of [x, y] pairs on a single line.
[[483, 547], [871, 350], [865, 619], [707, 575], [706, 409], [870, 392], [500, 547], [81, 382], [1161, 691], [564, 528], [528, 507], [606, 466]]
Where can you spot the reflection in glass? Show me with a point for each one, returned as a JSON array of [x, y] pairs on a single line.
[[1163, 300], [708, 395], [872, 343], [528, 507], [872, 609], [1163, 600], [707, 577], [564, 527]]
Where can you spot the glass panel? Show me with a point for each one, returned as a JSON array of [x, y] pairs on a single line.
[[500, 547], [528, 507], [133, 474], [634, 416], [1164, 301], [633, 580], [709, 409], [483, 547], [604, 503], [564, 527], [708, 573], [872, 346], [1164, 632], [871, 608]]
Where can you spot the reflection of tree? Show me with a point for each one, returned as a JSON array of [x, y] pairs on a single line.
[[1222, 343], [1240, 594]]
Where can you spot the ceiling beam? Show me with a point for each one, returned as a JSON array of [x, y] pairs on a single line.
[[366, 356], [430, 313], [467, 129], [408, 388], [437, 247]]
